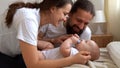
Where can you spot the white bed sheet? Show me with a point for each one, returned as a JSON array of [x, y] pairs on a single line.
[[104, 61], [114, 51]]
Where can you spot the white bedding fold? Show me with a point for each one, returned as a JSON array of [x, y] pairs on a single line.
[[103, 62], [114, 51]]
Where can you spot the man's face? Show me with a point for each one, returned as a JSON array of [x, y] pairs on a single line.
[[79, 20]]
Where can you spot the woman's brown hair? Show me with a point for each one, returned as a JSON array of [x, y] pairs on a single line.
[[44, 6]]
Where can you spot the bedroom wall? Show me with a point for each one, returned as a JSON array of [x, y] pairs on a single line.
[[99, 5], [3, 32]]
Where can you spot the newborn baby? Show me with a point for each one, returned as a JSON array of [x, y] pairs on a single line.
[[66, 49]]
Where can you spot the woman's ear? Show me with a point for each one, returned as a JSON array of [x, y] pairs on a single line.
[[52, 9]]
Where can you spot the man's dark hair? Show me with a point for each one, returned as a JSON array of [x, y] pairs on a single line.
[[84, 5]]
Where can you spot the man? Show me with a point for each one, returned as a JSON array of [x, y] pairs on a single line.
[[79, 17]]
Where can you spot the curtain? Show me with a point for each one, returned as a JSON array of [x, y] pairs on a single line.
[[113, 18]]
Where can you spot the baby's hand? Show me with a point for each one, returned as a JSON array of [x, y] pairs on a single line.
[[75, 39], [77, 36]]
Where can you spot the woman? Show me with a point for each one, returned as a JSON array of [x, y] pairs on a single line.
[[28, 18]]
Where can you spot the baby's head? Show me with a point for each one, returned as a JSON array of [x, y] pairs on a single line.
[[91, 46]]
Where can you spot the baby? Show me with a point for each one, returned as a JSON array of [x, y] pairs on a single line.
[[66, 49], [80, 45]]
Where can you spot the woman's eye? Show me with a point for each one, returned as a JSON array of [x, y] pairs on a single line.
[[66, 16]]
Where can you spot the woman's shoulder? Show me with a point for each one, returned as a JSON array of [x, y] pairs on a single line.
[[27, 10], [28, 13]]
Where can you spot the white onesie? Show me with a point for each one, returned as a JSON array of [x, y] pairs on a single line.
[[55, 53]]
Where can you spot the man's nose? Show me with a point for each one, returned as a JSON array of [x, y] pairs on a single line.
[[81, 26]]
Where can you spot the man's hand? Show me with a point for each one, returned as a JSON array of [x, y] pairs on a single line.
[[44, 45], [61, 39]]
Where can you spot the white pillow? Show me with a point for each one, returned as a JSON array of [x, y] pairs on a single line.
[[114, 51]]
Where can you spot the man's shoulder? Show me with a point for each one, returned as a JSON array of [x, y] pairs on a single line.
[[86, 33], [87, 30]]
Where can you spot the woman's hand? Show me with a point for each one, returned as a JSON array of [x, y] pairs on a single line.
[[82, 57]]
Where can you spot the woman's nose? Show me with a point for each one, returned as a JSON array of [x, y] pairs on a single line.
[[65, 18]]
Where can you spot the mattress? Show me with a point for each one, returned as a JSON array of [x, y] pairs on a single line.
[[114, 52]]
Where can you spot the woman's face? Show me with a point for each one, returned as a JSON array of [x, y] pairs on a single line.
[[60, 14]]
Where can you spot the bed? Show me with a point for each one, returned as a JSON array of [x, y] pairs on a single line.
[[109, 58]]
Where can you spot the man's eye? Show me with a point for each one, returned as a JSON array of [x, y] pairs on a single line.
[[79, 20], [86, 23]]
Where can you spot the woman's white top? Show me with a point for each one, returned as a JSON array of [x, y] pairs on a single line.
[[56, 54], [25, 22]]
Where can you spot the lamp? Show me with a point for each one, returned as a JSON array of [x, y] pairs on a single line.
[[99, 18]]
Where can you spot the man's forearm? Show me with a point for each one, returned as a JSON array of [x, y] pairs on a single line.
[[48, 39]]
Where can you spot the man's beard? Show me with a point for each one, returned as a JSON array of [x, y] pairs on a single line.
[[70, 29]]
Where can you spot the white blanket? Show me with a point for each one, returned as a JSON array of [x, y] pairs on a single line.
[[114, 51], [104, 61]]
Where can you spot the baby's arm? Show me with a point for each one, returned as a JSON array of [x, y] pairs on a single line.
[[65, 47]]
